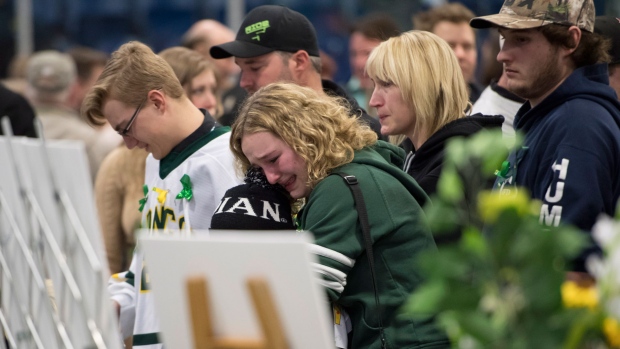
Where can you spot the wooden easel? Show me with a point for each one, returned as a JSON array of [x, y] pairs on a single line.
[[202, 322]]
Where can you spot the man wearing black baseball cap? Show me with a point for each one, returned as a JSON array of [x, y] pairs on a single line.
[[275, 44], [609, 27]]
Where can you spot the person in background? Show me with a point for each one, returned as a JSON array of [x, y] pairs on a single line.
[[118, 190], [490, 68], [16, 74], [420, 93], [20, 112], [197, 75], [609, 27], [570, 157], [366, 34], [497, 100], [188, 170], [328, 65], [300, 138], [200, 37], [51, 76], [451, 23], [89, 64], [275, 43]]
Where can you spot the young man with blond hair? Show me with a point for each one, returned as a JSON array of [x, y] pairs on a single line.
[[187, 173]]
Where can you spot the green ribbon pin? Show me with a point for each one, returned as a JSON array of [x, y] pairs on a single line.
[[503, 171], [145, 189], [186, 193]]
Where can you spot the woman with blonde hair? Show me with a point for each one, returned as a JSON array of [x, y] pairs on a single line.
[[420, 93], [197, 76], [301, 140]]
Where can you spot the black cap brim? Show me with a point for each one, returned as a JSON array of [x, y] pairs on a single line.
[[241, 49]]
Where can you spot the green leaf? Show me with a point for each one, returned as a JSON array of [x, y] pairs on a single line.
[[473, 241], [449, 186], [478, 326], [441, 217], [427, 299]]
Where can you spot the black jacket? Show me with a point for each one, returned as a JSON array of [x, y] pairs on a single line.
[[19, 111], [425, 164]]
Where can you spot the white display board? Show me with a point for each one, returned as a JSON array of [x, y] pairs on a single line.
[[48, 193], [227, 259]]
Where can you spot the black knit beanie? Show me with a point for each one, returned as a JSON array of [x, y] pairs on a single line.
[[255, 205]]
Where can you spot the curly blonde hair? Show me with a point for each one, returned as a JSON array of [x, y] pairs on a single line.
[[319, 128]]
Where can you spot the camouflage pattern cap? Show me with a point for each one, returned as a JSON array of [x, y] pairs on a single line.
[[525, 14]]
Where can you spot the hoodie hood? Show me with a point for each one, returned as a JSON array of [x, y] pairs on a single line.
[[463, 127], [390, 158], [589, 82], [425, 164]]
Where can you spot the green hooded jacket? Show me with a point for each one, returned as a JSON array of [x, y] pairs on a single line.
[[399, 231]]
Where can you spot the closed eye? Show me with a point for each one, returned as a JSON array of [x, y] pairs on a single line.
[[522, 40], [255, 68], [198, 91]]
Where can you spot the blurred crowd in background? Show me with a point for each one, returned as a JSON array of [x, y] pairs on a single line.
[[105, 25]]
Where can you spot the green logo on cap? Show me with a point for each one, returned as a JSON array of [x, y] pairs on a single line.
[[258, 28]]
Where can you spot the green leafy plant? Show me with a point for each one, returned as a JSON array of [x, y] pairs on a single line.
[[501, 284]]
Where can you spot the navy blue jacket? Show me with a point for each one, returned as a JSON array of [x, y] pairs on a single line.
[[570, 159]]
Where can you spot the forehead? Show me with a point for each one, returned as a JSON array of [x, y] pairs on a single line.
[[116, 112], [507, 32], [360, 40], [257, 145], [206, 75], [267, 58], [454, 31]]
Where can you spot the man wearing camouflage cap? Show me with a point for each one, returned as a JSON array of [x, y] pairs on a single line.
[[570, 159]]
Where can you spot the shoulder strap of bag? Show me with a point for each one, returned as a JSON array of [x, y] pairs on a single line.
[[360, 205]]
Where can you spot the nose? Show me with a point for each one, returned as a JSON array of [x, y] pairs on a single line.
[[210, 102], [502, 55], [459, 52], [246, 81], [359, 62], [272, 176], [130, 142], [375, 101]]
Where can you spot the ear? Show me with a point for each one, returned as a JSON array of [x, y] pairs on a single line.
[[158, 98], [300, 62], [575, 34]]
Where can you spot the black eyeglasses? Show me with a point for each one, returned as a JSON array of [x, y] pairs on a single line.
[[124, 131]]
